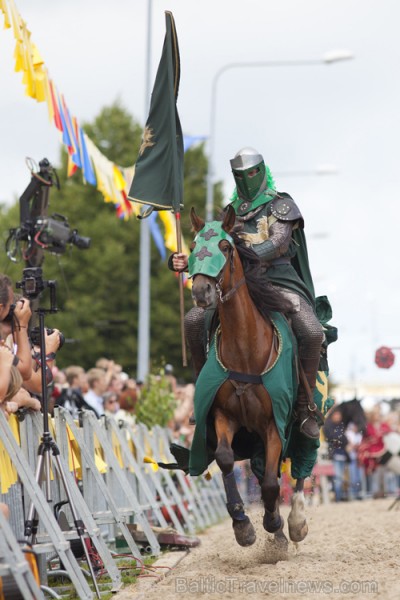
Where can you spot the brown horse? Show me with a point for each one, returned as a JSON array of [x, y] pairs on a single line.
[[247, 348]]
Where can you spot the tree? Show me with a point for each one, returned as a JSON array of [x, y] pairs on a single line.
[[97, 288]]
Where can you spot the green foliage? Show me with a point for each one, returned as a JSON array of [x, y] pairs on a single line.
[[97, 288], [116, 134], [157, 402]]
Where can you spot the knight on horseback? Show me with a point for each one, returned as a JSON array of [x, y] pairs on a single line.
[[272, 225]]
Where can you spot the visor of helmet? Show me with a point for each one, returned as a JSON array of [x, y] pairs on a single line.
[[250, 182]]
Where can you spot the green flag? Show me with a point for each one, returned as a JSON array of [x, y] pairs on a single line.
[[158, 178]]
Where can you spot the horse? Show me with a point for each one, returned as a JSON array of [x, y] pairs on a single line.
[[247, 348], [352, 412]]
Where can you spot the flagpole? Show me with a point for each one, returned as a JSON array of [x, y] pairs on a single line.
[[181, 290], [177, 199], [143, 351], [162, 138]]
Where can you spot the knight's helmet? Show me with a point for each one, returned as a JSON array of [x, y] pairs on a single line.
[[244, 162]]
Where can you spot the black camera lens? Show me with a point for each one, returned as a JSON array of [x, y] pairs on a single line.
[[9, 317], [79, 241], [35, 336]]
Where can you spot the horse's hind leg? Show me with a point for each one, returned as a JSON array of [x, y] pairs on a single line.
[[242, 527], [297, 523]]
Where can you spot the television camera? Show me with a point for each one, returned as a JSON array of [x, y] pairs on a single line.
[[53, 234], [40, 231]]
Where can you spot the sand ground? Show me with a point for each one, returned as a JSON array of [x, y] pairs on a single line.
[[351, 552]]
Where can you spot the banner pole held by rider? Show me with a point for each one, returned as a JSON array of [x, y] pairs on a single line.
[[158, 177]]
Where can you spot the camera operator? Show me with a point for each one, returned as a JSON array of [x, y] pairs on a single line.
[[16, 323], [52, 343], [14, 330]]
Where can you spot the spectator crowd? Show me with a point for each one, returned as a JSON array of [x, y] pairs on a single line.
[[365, 458], [107, 390], [104, 389], [364, 462]]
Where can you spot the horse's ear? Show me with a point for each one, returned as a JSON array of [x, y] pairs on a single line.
[[229, 219], [197, 223]]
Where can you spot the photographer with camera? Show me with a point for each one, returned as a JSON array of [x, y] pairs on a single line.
[[52, 344], [15, 314], [12, 395], [14, 322]]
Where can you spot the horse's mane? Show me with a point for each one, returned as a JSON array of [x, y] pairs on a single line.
[[265, 297]]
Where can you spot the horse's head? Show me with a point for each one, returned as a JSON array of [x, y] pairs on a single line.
[[210, 250], [353, 411]]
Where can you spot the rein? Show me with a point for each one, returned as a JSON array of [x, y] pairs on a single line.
[[234, 288]]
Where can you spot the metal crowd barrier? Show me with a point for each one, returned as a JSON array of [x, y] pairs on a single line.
[[14, 568], [111, 487]]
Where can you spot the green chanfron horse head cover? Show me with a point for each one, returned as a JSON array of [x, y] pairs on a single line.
[[206, 257]]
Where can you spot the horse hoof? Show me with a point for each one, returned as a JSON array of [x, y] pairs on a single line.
[[280, 538], [298, 533], [298, 527], [272, 524], [244, 532]]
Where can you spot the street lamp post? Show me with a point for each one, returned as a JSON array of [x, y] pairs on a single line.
[[143, 350], [328, 58]]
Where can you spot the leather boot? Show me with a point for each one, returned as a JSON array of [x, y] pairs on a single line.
[[306, 409], [306, 418]]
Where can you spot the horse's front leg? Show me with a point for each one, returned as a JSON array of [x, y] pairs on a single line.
[[242, 527], [297, 523], [272, 522]]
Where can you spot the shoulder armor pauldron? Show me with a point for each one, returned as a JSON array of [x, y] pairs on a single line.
[[284, 208]]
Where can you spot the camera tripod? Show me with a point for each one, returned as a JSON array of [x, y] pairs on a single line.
[[48, 448]]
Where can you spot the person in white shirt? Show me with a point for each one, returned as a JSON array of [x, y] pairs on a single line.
[[97, 382]]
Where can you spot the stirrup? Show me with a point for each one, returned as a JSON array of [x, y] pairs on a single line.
[[311, 436]]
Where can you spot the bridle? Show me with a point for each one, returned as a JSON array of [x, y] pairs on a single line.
[[233, 287]]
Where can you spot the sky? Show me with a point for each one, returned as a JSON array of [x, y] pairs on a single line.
[[300, 118]]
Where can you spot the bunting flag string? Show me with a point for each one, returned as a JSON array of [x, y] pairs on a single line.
[[97, 170], [111, 180]]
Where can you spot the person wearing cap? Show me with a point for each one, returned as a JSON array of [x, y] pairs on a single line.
[[272, 225]]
